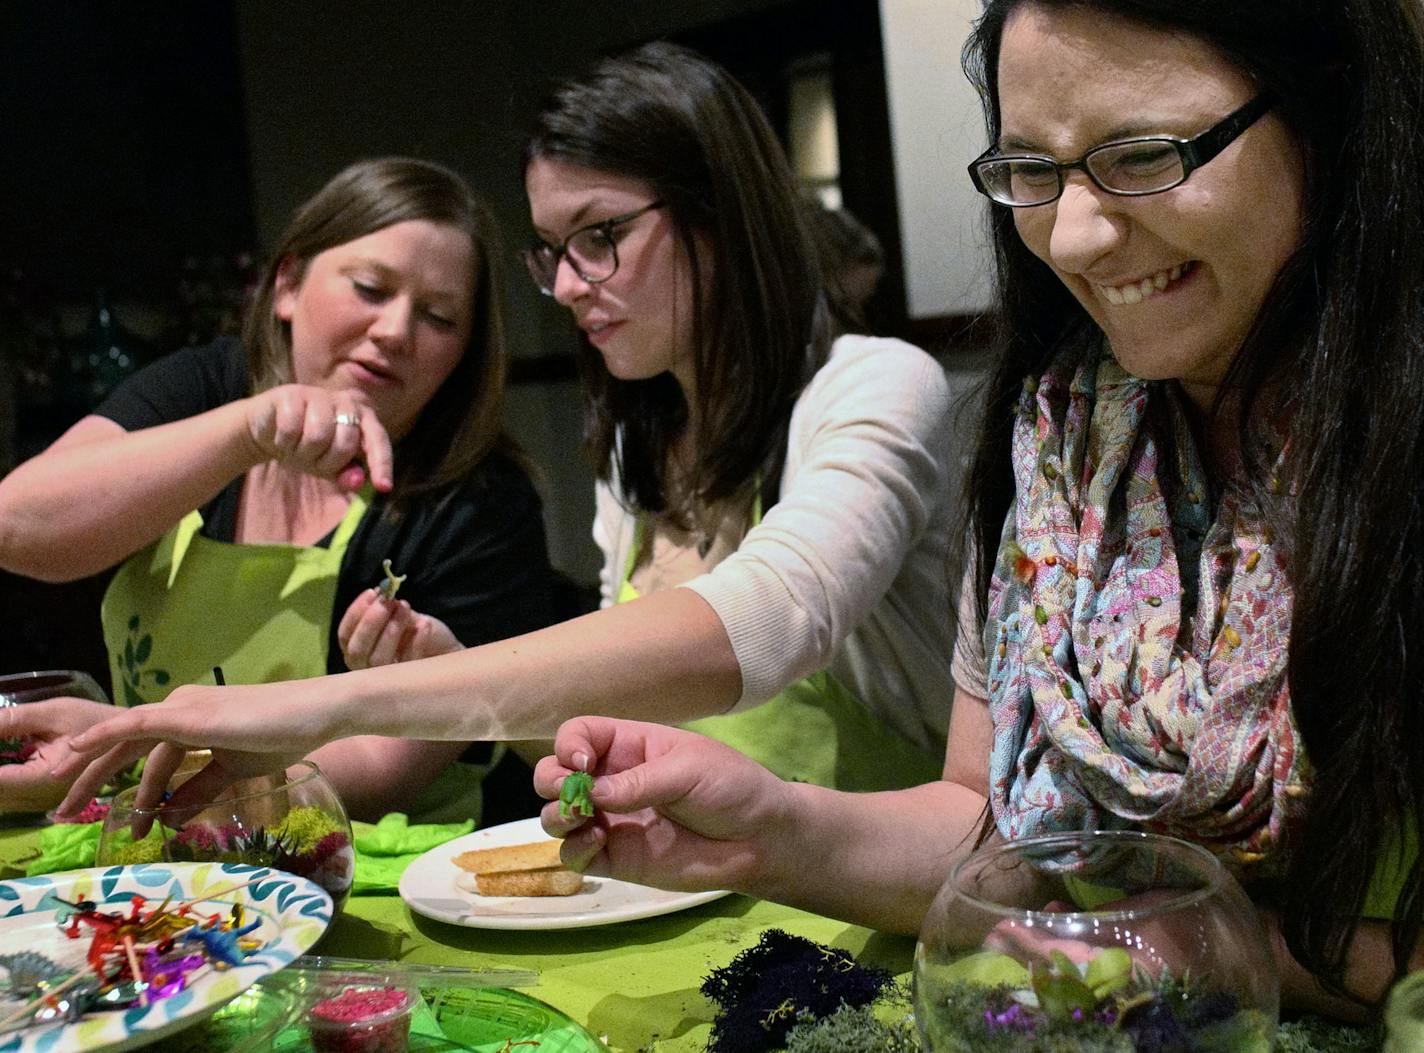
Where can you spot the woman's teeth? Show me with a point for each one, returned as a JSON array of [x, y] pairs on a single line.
[[1139, 291]]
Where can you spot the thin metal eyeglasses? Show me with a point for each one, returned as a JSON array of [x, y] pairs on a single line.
[[1130, 167], [591, 252]]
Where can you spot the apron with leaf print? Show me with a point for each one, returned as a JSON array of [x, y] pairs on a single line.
[[186, 604]]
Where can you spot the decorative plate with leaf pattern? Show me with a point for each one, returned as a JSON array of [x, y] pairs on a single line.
[[293, 913]]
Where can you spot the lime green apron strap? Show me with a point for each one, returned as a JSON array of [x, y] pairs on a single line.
[[816, 731], [1396, 859]]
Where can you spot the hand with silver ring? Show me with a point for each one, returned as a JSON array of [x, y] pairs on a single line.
[[322, 432]]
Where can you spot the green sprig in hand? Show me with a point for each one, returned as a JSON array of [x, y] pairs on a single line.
[[575, 794]]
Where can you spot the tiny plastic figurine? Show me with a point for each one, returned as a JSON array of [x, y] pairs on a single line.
[[574, 795], [224, 947], [391, 583]]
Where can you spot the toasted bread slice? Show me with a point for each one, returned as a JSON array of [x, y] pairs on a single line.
[[536, 856], [545, 881]]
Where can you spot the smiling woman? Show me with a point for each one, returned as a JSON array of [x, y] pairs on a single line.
[[264, 488], [1173, 280]]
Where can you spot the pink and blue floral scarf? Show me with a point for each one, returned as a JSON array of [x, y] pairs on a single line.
[[1136, 638]]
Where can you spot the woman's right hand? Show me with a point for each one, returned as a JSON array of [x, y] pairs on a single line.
[[321, 432], [251, 730], [673, 809]]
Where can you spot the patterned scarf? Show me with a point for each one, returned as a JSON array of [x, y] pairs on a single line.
[[1136, 647]]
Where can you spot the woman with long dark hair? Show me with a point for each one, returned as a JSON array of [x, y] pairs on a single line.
[[774, 497], [1195, 511]]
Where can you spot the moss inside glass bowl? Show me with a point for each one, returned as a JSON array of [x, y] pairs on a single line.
[[1114, 941], [297, 825]]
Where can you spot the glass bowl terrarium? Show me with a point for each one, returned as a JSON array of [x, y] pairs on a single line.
[[294, 822], [1102, 940]]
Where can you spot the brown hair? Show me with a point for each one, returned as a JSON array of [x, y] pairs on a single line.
[[462, 423], [669, 117]]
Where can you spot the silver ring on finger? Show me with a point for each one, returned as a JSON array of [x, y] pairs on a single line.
[[353, 419]]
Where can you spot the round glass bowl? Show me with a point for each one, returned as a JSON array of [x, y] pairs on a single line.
[[1136, 941], [295, 823]]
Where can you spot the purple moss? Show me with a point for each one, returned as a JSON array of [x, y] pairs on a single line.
[[782, 981]]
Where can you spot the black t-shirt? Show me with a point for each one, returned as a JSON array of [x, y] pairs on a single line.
[[474, 553]]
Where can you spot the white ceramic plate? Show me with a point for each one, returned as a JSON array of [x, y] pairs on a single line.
[[429, 887], [294, 913]]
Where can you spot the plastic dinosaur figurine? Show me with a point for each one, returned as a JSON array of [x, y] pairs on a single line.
[[575, 795]]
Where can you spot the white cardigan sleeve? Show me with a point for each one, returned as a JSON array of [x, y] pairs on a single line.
[[866, 469]]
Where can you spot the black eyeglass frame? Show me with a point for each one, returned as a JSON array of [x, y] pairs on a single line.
[[1193, 153], [605, 227]]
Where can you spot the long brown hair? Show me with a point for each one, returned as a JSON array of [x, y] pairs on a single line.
[[1341, 327], [674, 120], [462, 423]]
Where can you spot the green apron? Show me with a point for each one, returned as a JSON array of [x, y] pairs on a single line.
[[814, 731], [263, 612]]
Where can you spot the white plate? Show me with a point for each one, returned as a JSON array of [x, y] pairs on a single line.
[[429, 887], [294, 913]]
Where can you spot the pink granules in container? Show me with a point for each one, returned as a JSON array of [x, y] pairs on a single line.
[[363, 1018]]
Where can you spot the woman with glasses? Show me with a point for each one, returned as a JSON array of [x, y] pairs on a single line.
[[251, 494], [774, 499], [1196, 512]]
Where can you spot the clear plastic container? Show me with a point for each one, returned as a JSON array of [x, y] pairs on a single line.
[[361, 1015]]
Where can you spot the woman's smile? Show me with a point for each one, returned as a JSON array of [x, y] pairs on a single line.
[[1174, 279]]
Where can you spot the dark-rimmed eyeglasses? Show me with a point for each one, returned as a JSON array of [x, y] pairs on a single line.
[[1131, 167], [591, 251]]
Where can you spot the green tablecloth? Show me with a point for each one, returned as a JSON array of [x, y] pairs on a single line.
[[635, 983]]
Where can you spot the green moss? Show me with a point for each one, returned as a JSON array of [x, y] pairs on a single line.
[[303, 827], [852, 1029], [1312, 1035], [149, 850]]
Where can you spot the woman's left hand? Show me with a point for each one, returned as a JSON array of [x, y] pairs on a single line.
[[377, 631], [32, 785], [1157, 939]]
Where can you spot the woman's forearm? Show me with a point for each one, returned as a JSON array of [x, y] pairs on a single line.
[[663, 658], [873, 859], [100, 493], [377, 775]]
